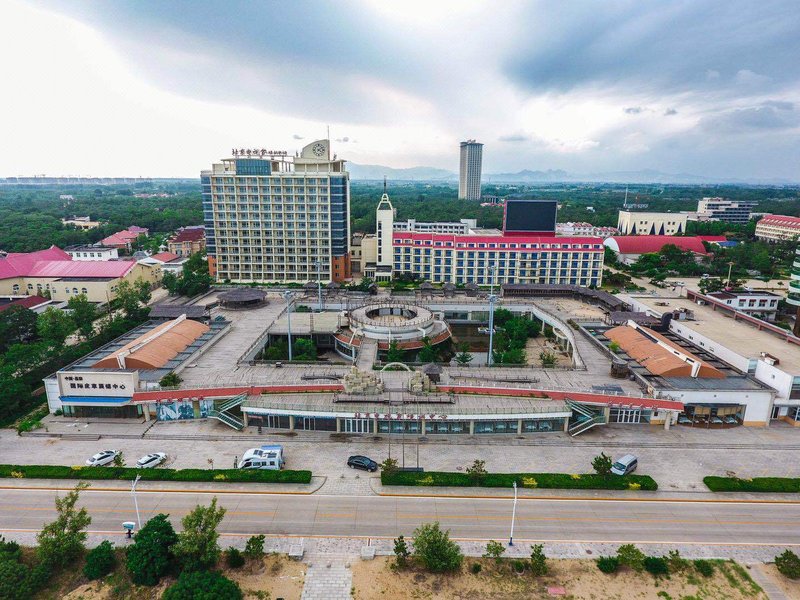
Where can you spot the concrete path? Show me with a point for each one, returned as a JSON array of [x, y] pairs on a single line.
[[762, 578], [328, 576], [367, 354]]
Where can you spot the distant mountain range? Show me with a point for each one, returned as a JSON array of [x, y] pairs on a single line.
[[377, 172]]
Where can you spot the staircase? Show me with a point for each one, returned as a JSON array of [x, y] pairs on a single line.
[[221, 412], [586, 417]]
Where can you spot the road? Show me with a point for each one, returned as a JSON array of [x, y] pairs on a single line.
[[562, 520]]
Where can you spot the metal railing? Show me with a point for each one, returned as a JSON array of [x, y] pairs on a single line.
[[229, 420]]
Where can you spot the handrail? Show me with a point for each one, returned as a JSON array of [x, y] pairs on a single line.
[[229, 420]]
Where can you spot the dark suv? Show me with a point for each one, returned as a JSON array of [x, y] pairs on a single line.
[[362, 462]]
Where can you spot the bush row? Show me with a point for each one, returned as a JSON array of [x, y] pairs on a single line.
[[588, 481], [757, 484], [220, 475]]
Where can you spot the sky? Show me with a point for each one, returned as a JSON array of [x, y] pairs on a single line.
[[165, 88]]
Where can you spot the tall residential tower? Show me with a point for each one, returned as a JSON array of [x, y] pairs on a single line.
[[272, 217], [469, 178]]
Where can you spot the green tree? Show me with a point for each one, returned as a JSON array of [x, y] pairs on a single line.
[[13, 389], [150, 557], [203, 585], [234, 558], [630, 556], [394, 354], [602, 464], [428, 353], [170, 281], [788, 564], [143, 291], [170, 380], [62, 541], [548, 359], [389, 466], [494, 550], [476, 471], [17, 325], [502, 316], [255, 547], [14, 580], [514, 356], [401, 551], [23, 358], [54, 325], [198, 546], [434, 549], [83, 314], [463, 357], [100, 561], [710, 284], [538, 560], [128, 300], [304, 349]]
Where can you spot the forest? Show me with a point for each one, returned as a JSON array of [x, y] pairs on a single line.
[[30, 218]]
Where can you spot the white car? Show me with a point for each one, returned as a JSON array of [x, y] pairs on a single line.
[[102, 458], [151, 460]]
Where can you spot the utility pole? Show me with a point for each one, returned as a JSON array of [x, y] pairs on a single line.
[[513, 516], [288, 297]]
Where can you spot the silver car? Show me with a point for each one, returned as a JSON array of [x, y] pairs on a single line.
[[151, 460], [102, 458]]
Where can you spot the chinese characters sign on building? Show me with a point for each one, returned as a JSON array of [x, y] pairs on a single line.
[[256, 152], [400, 416]]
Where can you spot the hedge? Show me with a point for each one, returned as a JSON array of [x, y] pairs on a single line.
[[587, 481], [109, 473], [757, 484]]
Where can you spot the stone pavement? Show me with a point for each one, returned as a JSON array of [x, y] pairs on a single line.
[[328, 576], [766, 582]]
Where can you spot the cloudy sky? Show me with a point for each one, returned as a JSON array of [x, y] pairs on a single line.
[[164, 88]]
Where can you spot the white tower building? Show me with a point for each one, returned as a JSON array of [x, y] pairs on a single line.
[[469, 180]]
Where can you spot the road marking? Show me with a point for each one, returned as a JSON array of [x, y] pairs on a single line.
[[588, 519]]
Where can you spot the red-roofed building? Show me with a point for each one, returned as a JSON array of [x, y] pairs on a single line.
[[188, 240], [168, 262], [53, 271], [34, 303], [630, 247], [776, 228], [123, 240]]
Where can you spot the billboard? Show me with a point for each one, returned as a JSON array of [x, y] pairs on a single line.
[[530, 216]]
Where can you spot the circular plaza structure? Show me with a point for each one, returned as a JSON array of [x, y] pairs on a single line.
[[384, 323], [242, 298]]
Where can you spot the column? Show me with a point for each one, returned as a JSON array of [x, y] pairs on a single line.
[[146, 411], [338, 425], [519, 426], [375, 425], [291, 422], [667, 421], [422, 426], [471, 427], [245, 418], [566, 425]]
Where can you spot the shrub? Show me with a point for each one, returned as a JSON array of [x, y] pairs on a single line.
[[630, 556], [128, 473], [475, 568], [389, 466], [529, 482], [494, 550], [234, 558], [203, 585], [477, 471], [788, 564], [676, 562], [197, 547], [704, 567], [401, 551], [608, 564], [100, 561], [255, 546], [756, 484], [150, 557], [633, 486], [656, 565], [9, 550], [602, 464], [589, 481], [435, 550], [14, 578], [518, 566], [538, 561]]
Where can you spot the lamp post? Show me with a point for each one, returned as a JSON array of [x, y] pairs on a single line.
[[319, 284], [492, 271], [135, 502], [492, 300], [288, 297], [513, 516], [730, 267]]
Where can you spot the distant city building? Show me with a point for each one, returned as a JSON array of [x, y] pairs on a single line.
[[123, 240], [168, 262], [582, 228], [651, 223], [492, 200], [484, 257], [469, 178], [763, 305], [776, 228], [188, 240], [66, 197], [84, 223], [92, 253], [720, 209], [462, 227], [270, 217], [36, 181]]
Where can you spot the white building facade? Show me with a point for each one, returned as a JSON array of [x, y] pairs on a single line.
[[651, 223], [469, 178]]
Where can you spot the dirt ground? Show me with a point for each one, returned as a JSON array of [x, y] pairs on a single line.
[[790, 587], [275, 577], [580, 578]]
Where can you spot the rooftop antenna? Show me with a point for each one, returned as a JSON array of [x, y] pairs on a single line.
[[328, 128], [625, 203], [384, 185]]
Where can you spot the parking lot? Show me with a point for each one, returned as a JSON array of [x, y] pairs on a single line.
[[677, 459]]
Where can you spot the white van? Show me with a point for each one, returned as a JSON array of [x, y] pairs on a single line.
[[625, 465], [264, 457]]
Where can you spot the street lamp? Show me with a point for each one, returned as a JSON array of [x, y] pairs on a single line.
[[135, 502], [492, 271], [287, 295], [319, 284], [492, 300], [730, 266], [513, 516]]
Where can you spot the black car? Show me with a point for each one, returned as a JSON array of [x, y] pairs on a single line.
[[362, 462]]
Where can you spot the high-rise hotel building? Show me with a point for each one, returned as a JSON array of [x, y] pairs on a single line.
[[469, 178], [273, 217]]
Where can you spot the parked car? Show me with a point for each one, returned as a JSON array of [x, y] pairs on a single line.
[[684, 420], [148, 461], [626, 464], [731, 420], [362, 462], [102, 458], [716, 421]]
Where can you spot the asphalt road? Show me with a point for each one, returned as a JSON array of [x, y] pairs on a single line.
[[578, 520]]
